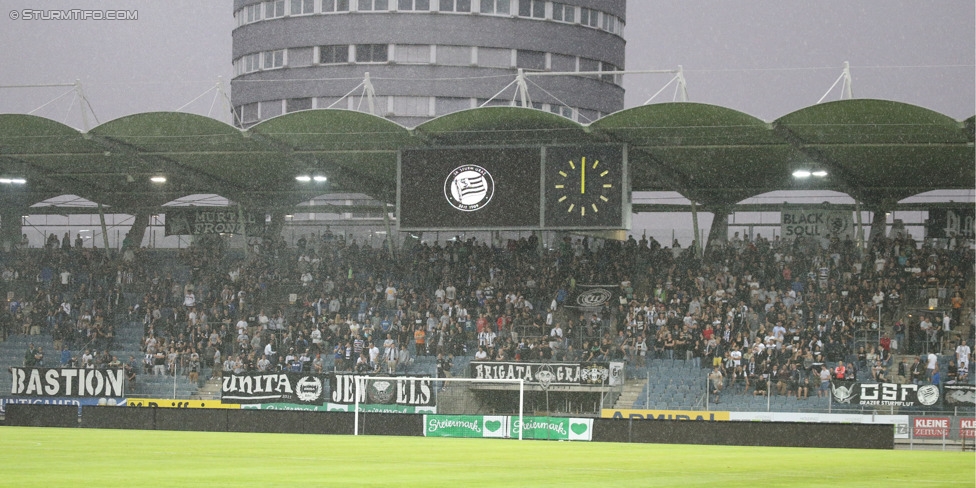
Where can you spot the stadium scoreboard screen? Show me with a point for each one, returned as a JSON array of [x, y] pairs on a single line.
[[477, 188]]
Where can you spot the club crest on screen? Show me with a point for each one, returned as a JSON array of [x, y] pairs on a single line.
[[469, 188]]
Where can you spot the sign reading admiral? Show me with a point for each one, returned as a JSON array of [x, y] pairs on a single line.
[[67, 382], [272, 388], [348, 388]]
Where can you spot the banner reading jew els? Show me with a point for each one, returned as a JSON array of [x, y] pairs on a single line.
[[488, 426], [348, 389], [272, 388], [884, 394]]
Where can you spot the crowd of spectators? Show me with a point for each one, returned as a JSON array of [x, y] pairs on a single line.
[[68, 291], [768, 314]]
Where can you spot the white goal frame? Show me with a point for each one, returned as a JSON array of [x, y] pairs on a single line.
[[519, 381]]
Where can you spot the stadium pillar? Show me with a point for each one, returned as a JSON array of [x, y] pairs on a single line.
[[277, 224], [10, 224], [879, 224], [137, 232], [719, 233]]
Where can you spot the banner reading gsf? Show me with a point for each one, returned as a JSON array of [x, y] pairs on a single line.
[[469, 188]]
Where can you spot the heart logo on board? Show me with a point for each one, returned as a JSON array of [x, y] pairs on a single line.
[[493, 425], [578, 429]]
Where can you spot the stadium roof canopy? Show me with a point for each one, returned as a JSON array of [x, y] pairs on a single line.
[[877, 151]]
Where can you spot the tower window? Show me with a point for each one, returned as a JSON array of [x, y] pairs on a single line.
[[371, 53]]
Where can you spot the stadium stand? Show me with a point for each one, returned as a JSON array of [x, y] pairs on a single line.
[[771, 304]]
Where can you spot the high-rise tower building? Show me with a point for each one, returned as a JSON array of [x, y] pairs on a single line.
[[426, 58]]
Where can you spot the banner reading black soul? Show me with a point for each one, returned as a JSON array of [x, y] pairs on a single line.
[[200, 221], [469, 188], [415, 391], [548, 374], [951, 222], [67, 382], [884, 394], [306, 389]]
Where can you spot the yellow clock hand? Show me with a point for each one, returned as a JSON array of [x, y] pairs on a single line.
[[583, 176]]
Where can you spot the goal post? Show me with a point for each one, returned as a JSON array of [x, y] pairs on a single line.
[[421, 390]]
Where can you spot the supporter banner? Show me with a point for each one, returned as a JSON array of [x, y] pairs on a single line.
[[900, 422], [885, 394], [198, 221], [347, 388], [812, 222], [273, 387], [550, 428], [950, 222], [967, 428], [930, 427], [80, 402], [547, 374], [593, 296], [613, 413], [959, 395], [171, 403], [616, 373], [336, 407], [67, 382]]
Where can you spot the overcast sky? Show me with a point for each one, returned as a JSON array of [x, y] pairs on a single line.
[[765, 58]]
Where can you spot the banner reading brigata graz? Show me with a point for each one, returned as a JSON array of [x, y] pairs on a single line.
[[349, 388], [224, 220], [273, 388], [549, 374], [886, 394], [67, 382]]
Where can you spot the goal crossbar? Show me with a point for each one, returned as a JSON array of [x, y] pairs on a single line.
[[518, 381]]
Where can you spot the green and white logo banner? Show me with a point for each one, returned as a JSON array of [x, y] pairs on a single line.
[[464, 426], [550, 428]]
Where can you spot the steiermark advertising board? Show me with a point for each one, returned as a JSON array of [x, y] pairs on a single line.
[[549, 428]]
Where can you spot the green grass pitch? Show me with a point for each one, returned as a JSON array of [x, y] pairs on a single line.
[[83, 457]]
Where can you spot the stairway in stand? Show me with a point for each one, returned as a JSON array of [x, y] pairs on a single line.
[[631, 392]]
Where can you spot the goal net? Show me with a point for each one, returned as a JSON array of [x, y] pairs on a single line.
[[456, 407]]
